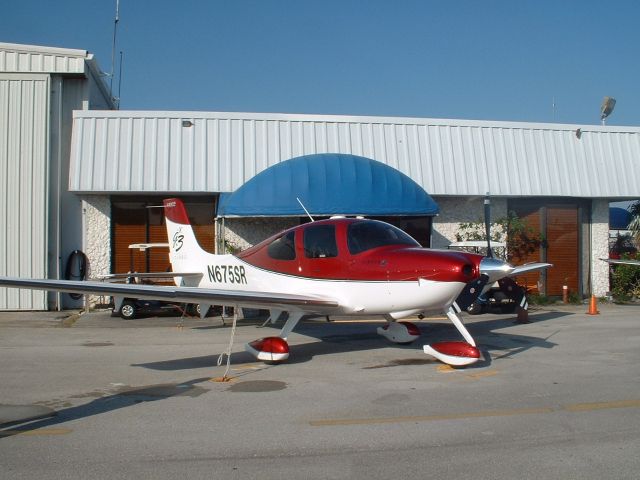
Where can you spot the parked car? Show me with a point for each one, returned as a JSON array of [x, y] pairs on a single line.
[[134, 308]]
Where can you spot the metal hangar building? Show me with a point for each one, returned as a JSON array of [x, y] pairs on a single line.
[[40, 220], [558, 178]]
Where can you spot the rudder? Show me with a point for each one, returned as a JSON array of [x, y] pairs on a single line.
[[185, 253]]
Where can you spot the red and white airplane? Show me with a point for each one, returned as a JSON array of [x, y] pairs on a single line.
[[340, 266]]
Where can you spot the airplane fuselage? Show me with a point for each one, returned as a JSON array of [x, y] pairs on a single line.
[[368, 267]]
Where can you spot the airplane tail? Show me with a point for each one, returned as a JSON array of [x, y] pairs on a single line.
[[185, 253]]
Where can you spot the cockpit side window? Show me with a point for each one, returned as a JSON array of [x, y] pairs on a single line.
[[363, 236], [283, 248], [320, 241]]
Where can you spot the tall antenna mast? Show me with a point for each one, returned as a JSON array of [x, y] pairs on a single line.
[[120, 80], [113, 46]]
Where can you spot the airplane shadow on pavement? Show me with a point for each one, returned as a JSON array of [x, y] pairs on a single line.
[[343, 337], [124, 397]]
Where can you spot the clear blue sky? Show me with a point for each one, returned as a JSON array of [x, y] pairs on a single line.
[[494, 60]]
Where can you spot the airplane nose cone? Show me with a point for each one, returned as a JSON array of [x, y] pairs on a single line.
[[495, 268]]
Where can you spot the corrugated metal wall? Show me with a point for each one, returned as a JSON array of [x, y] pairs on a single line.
[[217, 152], [34, 59], [24, 115]]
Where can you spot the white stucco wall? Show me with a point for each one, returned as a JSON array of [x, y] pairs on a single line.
[[96, 212], [456, 210], [599, 246]]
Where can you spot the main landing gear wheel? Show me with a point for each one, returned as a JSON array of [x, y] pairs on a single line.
[[269, 349], [399, 332], [275, 349]]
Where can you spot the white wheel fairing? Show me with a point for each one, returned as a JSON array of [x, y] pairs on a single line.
[[399, 332], [458, 354], [269, 349]]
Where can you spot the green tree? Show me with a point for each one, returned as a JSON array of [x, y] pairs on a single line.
[[520, 239]]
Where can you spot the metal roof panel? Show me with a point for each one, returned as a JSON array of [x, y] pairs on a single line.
[[134, 151]]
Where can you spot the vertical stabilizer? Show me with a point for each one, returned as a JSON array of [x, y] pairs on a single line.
[[185, 253]]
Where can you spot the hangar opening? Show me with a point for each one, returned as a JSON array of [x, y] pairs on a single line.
[[320, 186]]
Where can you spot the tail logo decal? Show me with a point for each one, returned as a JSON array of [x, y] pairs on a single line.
[[177, 240]]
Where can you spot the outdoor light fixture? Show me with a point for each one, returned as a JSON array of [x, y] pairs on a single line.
[[607, 107], [187, 123]]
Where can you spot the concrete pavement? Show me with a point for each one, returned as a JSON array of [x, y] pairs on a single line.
[[556, 398]]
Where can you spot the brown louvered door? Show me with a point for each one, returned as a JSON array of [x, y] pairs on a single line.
[[558, 225], [129, 224], [133, 222], [562, 251]]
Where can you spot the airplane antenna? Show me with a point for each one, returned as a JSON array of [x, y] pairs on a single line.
[[305, 210]]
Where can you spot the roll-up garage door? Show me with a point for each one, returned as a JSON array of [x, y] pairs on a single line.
[[136, 220]]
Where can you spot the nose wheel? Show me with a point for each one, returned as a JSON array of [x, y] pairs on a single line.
[[457, 354]]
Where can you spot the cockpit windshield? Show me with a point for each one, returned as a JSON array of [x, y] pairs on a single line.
[[365, 235]]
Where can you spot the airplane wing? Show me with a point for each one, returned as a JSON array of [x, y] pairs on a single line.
[[210, 296], [529, 267], [621, 262]]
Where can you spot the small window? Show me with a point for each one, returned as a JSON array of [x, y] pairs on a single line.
[[283, 248], [320, 241], [363, 236]]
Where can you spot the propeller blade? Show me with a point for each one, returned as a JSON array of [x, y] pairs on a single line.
[[487, 224], [530, 267], [471, 292]]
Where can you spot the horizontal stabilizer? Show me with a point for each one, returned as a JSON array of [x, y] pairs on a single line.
[[620, 261], [149, 275]]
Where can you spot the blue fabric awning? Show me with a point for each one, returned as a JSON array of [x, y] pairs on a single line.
[[619, 218], [328, 184]]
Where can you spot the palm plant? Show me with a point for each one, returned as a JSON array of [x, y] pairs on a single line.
[[634, 224]]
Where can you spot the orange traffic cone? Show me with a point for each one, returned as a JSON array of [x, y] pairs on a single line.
[[593, 306]]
